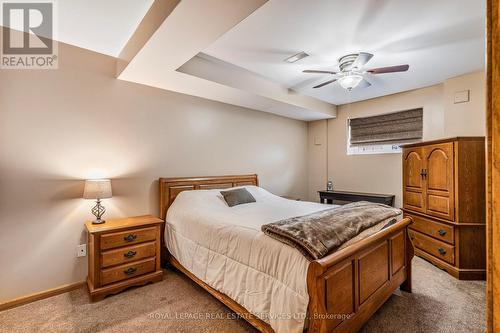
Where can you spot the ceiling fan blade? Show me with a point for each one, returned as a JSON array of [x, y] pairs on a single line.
[[363, 84], [391, 69], [325, 83], [318, 72], [361, 60]]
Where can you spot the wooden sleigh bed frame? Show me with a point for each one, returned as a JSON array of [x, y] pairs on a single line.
[[345, 287]]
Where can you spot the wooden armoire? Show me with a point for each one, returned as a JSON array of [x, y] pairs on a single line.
[[444, 193]]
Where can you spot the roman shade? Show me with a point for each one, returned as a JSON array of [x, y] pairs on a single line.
[[393, 128]]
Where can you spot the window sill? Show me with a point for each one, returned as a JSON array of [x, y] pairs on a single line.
[[374, 150]]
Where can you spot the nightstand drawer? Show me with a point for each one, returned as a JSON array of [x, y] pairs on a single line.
[[434, 247], [127, 254], [109, 241], [127, 271], [437, 230]]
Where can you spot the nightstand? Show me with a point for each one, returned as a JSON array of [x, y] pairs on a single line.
[[123, 253]]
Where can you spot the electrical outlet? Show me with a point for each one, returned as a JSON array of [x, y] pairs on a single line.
[[81, 250]]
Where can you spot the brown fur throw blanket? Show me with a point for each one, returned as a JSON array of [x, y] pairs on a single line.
[[317, 234]]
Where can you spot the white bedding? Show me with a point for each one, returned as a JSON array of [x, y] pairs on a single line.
[[226, 248]]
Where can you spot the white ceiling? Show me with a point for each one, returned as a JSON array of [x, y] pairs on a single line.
[[236, 56], [103, 26], [106, 25], [170, 59], [438, 39]]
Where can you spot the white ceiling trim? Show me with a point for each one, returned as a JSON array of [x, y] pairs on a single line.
[[184, 34], [289, 102]]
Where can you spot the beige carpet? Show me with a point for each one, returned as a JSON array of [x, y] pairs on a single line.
[[439, 303]]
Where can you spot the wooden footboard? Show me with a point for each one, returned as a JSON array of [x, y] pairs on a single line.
[[348, 286]]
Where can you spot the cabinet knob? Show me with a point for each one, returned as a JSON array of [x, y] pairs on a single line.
[[441, 232], [130, 270], [129, 254], [442, 251], [130, 237]]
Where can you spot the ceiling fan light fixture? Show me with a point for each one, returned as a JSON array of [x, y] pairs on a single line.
[[349, 82]]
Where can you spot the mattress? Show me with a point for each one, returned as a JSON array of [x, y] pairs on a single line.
[[225, 247]]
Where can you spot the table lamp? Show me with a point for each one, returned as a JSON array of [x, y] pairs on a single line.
[[97, 189]]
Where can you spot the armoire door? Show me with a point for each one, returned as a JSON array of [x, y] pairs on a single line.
[[413, 179], [439, 179]]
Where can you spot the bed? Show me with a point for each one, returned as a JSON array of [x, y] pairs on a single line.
[[268, 283]]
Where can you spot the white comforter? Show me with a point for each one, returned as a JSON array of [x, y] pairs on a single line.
[[224, 247]]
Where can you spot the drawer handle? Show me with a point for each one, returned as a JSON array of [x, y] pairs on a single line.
[[442, 232], [130, 254], [130, 271], [130, 237], [442, 251]]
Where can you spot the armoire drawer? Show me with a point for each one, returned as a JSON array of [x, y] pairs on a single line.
[[440, 231], [434, 247]]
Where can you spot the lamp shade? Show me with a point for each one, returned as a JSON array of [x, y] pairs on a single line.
[[97, 189], [350, 82]]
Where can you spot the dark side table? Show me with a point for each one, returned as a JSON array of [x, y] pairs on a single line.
[[345, 197]]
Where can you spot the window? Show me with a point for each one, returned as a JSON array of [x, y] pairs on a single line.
[[384, 133]]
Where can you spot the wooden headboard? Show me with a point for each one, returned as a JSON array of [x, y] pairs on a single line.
[[171, 187]]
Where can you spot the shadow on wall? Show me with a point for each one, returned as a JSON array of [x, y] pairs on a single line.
[[67, 190], [154, 198], [27, 197]]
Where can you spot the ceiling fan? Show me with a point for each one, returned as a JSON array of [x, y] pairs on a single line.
[[351, 75]]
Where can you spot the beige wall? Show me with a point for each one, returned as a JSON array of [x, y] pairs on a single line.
[[317, 157], [382, 173], [465, 119], [60, 126]]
